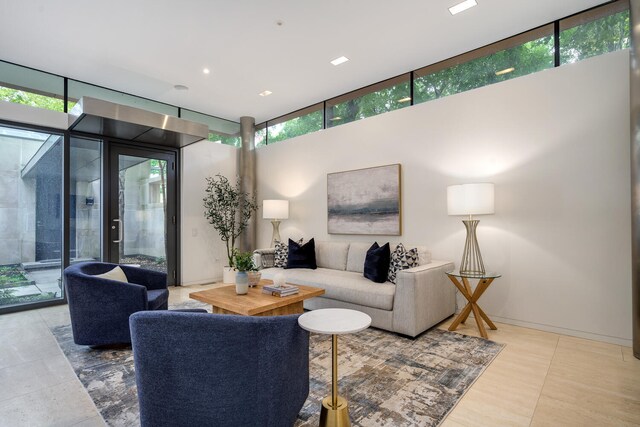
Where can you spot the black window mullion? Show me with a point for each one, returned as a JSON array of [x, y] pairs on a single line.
[[556, 43]]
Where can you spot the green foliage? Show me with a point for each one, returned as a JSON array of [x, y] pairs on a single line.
[[228, 209], [234, 141], [32, 99], [369, 105], [297, 126], [243, 261], [603, 35], [11, 276], [527, 58]]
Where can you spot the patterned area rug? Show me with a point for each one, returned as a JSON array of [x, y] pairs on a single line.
[[389, 380]]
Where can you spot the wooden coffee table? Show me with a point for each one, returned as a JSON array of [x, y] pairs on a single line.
[[224, 300]]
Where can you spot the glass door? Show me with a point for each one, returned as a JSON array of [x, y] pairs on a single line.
[[141, 223]]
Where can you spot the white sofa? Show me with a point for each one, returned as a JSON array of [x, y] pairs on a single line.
[[421, 297]]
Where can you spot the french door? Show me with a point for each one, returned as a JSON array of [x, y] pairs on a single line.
[[140, 224]]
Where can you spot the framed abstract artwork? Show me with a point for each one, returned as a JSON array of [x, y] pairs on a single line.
[[365, 201]]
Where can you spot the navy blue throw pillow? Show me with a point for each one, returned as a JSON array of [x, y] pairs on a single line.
[[376, 264], [302, 256]]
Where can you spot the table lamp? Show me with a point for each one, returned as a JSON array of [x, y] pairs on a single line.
[[275, 210], [471, 199]]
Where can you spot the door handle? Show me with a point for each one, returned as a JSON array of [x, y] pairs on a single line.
[[120, 231]]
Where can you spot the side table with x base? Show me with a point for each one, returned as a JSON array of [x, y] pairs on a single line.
[[472, 296]]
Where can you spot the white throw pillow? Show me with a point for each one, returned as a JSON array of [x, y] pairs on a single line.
[[115, 274]]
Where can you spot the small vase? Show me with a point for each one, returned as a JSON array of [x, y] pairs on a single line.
[[228, 275], [242, 282]]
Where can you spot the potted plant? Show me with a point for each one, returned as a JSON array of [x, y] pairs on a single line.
[[243, 262], [228, 209]]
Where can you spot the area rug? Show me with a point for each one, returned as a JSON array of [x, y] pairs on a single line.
[[389, 380]]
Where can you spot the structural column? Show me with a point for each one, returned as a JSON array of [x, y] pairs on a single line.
[[247, 172], [635, 173]]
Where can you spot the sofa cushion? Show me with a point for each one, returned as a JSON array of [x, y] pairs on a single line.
[[281, 253], [424, 256], [332, 255], [376, 264], [402, 259], [347, 286], [302, 256], [356, 257], [115, 273]]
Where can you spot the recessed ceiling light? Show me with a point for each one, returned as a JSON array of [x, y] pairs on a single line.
[[406, 99], [340, 60], [461, 7], [206, 70], [505, 71], [336, 118], [265, 93], [180, 87]]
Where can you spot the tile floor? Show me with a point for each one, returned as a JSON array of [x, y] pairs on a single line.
[[539, 379]]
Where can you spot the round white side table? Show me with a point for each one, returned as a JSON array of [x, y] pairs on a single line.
[[334, 321]]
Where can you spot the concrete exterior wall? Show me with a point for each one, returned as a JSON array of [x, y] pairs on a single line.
[[17, 201]]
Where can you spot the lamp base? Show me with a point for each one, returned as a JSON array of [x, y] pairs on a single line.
[[276, 232], [471, 259]]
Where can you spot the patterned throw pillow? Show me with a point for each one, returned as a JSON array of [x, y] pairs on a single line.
[[402, 259], [282, 253]]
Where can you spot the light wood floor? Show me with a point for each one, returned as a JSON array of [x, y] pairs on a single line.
[[546, 379], [539, 378]]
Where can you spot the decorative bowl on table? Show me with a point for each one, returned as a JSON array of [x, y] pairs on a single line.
[[254, 278]]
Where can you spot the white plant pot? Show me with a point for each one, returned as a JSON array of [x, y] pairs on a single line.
[[228, 275], [242, 282]]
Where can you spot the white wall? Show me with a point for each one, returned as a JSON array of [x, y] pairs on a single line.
[[555, 143], [203, 253], [33, 115]]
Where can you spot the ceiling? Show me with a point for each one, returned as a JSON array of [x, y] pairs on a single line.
[[145, 47]]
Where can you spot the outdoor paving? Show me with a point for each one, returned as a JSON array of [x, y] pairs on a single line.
[[46, 280]]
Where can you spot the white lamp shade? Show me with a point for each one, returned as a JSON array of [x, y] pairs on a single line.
[[275, 209], [470, 199]]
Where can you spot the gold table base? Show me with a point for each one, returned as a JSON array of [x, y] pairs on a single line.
[[335, 409], [334, 417]]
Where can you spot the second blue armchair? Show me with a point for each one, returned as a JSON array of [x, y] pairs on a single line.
[[219, 370], [100, 308]]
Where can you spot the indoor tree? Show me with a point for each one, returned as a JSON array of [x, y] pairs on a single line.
[[228, 209]]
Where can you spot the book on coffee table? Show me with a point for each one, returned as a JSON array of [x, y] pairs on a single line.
[[280, 291]]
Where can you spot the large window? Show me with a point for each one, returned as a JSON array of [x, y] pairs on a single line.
[[30, 217], [601, 30], [22, 85], [514, 57], [261, 135], [220, 130], [382, 97], [295, 124], [233, 140]]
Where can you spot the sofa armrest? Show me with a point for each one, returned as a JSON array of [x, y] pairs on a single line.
[[264, 258], [148, 278], [423, 298]]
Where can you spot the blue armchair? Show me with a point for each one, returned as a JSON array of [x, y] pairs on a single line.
[[100, 308], [219, 370]]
